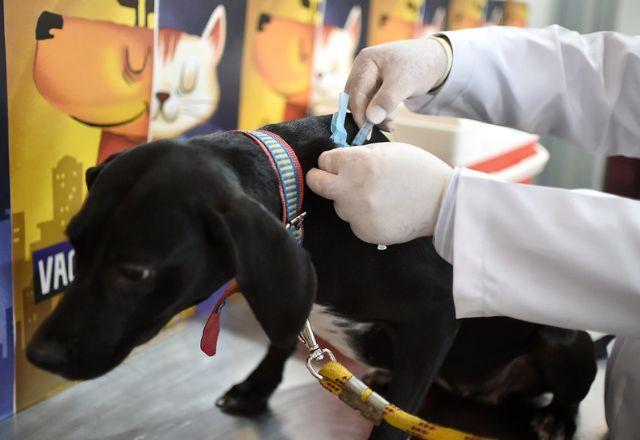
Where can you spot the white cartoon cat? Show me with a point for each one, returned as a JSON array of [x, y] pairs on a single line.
[[186, 89], [335, 51], [436, 25]]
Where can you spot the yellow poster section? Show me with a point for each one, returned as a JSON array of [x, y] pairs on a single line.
[[516, 13], [464, 14], [392, 20], [277, 59], [49, 153]]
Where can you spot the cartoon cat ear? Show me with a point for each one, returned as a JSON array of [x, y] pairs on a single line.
[[353, 25], [216, 30]]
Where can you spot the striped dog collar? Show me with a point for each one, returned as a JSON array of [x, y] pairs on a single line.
[[289, 173]]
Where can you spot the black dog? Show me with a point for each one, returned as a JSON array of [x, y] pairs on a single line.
[[167, 223]]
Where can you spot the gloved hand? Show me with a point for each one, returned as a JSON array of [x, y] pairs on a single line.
[[384, 76], [389, 192]]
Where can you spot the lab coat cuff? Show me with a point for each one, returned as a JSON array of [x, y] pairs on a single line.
[[469, 291], [464, 60], [443, 236]]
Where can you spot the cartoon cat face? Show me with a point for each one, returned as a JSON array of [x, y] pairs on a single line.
[[334, 57], [186, 89]]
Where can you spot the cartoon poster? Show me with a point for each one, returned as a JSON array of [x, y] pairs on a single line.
[[79, 80], [434, 17], [516, 13], [6, 293], [465, 14], [494, 12], [197, 73], [340, 38], [507, 13], [277, 60], [391, 20]]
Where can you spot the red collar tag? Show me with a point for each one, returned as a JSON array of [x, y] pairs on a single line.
[[209, 339]]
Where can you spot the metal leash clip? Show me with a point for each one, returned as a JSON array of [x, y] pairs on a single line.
[[316, 353], [296, 223]]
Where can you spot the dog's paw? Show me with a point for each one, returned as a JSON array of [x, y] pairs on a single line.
[[551, 425], [241, 400]]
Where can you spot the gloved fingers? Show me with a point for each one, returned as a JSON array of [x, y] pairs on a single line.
[[362, 84], [358, 103], [332, 160], [367, 232], [323, 183], [387, 125], [390, 95], [342, 213]]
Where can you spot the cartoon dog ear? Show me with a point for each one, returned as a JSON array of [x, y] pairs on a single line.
[[353, 25], [216, 30], [273, 271]]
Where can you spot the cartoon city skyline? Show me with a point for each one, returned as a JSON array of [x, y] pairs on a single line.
[[67, 184]]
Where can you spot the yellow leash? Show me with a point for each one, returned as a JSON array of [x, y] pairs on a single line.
[[341, 382]]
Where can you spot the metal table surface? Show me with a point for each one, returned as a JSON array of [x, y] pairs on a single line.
[[167, 391]]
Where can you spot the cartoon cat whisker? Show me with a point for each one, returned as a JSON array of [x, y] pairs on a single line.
[[197, 100]]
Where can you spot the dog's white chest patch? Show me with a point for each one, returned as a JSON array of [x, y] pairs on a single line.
[[341, 332]]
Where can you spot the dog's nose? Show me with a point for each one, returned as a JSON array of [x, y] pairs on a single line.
[[262, 20], [46, 22], [162, 97], [48, 355]]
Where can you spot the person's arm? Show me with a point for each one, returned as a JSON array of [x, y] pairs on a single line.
[[553, 256], [551, 81]]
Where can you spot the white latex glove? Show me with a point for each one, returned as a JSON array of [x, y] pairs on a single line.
[[389, 192], [384, 76]]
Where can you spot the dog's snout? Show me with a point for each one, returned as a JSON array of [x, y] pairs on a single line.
[[262, 21], [46, 22], [48, 355]]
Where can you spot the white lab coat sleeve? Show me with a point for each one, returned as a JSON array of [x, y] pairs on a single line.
[[553, 256], [552, 81]]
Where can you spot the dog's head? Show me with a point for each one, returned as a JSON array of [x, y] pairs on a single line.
[[163, 226]]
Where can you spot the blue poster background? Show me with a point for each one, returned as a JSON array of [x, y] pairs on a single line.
[[6, 291]]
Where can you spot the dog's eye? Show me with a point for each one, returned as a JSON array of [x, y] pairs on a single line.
[[134, 272]]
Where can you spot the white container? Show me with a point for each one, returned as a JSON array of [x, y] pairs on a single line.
[[510, 154]]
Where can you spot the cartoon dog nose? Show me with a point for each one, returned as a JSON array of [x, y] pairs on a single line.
[[46, 22], [162, 97], [47, 355]]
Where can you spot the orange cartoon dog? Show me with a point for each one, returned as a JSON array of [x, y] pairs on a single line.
[[283, 56], [99, 73], [392, 20]]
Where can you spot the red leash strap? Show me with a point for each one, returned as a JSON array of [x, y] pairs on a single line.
[[209, 340]]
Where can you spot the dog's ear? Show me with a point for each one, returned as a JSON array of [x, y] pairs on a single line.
[[92, 172], [273, 271]]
